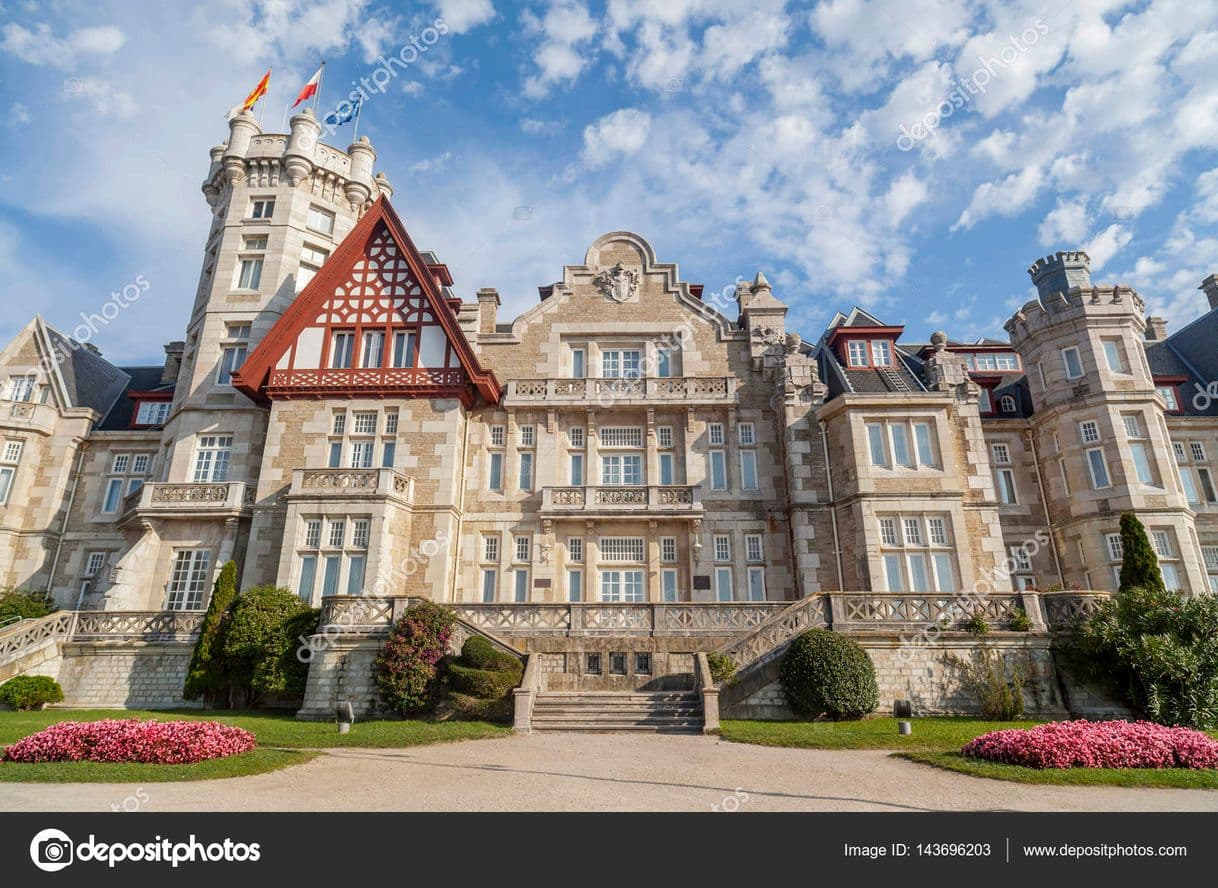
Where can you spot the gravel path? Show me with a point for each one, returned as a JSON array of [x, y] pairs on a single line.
[[602, 772]]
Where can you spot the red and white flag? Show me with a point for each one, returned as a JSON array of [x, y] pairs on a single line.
[[310, 88]]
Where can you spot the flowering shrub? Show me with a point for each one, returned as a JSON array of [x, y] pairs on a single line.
[[131, 740], [405, 667], [1108, 744]]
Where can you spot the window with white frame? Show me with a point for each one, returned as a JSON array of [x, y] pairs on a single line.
[[578, 363], [622, 549], [856, 350], [1097, 465], [10, 459], [985, 403], [620, 436], [1007, 404], [262, 207], [575, 549], [342, 349], [1168, 394], [621, 364], [126, 475], [490, 547], [528, 435], [1140, 449], [1007, 491], [714, 434], [577, 469], [664, 436], [1169, 556], [494, 473], [320, 220], [372, 349], [881, 353], [189, 579], [364, 423], [94, 567], [526, 470], [391, 422], [748, 469], [575, 585], [333, 556], [1114, 356], [621, 470], [523, 550], [360, 531], [1196, 477], [667, 462], [1072, 362], [311, 260], [622, 586], [668, 549], [723, 547], [233, 351], [152, 413], [21, 388], [718, 470], [753, 548], [745, 434], [665, 362], [756, 581], [213, 455], [520, 584], [904, 444], [916, 553], [1210, 555], [723, 584], [498, 435], [1089, 431], [490, 578], [1115, 546], [576, 436], [669, 584], [405, 348], [1001, 453], [360, 454]]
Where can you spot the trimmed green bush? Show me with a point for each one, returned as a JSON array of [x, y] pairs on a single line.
[[722, 667], [1139, 564], [824, 673], [260, 641], [205, 677], [29, 691], [24, 604], [479, 653], [488, 683], [1157, 651], [463, 707], [405, 667]]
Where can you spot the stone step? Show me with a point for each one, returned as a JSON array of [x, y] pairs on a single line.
[[606, 711]]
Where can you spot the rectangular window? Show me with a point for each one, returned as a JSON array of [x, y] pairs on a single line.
[[745, 434], [576, 436], [94, 562], [526, 471], [1072, 362], [1161, 541], [748, 470], [1186, 483], [668, 584], [308, 578], [488, 586], [320, 220], [875, 437], [718, 470], [901, 454], [521, 578], [262, 209], [312, 533], [752, 547], [622, 586], [20, 388], [329, 583], [1168, 394], [888, 532], [666, 463], [621, 364], [577, 469], [622, 549], [152, 413], [575, 549], [360, 531], [528, 435], [1171, 577], [524, 548], [893, 574], [723, 584], [857, 353], [490, 547], [578, 369], [1006, 487], [114, 492], [338, 533], [1112, 354], [926, 449], [389, 451], [985, 403], [575, 586], [756, 584], [663, 436], [881, 353], [938, 531], [1099, 469], [642, 663], [498, 435], [336, 455], [188, 579], [355, 574], [1141, 462], [1089, 431], [919, 577], [944, 578], [372, 349], [342, 349], [663, 363], [621, 436], [340, 423], [1210, 554], [251, 274], [621, 471], [1198, 451], [495, 472], [913, 532], [1116, 548], [723, 548], [1207, 485], [714, 434], [1002, 454], [1133, 425], [212, 458], [361, 454], [668, 549], [364, 423], [1021, 559], [12, 451], [405, 345], [1179, 451]]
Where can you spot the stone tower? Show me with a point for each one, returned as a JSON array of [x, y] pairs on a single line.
[[280, 204], [1101, 441]]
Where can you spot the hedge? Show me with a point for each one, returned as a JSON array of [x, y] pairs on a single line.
[[824, 673]]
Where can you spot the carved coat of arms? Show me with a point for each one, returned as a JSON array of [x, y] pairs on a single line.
[[618, 283]]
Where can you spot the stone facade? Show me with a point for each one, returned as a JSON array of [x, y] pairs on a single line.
[[337, 420]]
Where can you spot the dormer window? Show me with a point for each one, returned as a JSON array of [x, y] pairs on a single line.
[[1007, 404], [151, 413], [984, 403], [881, 353], [858, 352]]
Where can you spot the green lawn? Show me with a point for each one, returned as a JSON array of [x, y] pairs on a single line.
[[929, 734], [282, 741], [1174, 778]]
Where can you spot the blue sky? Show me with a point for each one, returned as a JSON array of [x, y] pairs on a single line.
[[735, 136]]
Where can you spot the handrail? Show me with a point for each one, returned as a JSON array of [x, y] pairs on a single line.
[[525, 696], [710, 693]]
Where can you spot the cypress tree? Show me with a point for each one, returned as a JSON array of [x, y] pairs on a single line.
[[1139, 565], [206, 675]]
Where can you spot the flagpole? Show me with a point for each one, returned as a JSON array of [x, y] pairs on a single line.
[[358, 112], [320, 80], [286, 109]]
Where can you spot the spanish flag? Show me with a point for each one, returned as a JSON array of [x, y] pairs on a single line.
[[258, 93]]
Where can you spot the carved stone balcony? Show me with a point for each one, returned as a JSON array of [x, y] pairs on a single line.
[[223, 499], [623, 392], [346, 483], [621, 502]]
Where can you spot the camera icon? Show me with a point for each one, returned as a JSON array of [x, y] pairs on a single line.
[[51, 850]]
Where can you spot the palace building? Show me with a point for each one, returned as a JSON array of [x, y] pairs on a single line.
[[337, 420]]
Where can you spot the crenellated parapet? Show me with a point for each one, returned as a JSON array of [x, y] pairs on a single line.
[[1103, 304]]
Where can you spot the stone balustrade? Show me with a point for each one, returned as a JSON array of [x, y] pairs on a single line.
[[191, 500], [17, 639], [664, 499], [313, 483], [607, 392]]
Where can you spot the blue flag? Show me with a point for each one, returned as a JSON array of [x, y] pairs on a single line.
[[338, 117]]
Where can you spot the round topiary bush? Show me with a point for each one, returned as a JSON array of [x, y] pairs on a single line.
[[824, 673], [487, 683], [30, 691], [479, 653]]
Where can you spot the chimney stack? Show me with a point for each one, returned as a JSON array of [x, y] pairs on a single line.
[[1156, 329], [1210, 286], [173, 362], [488, 309]]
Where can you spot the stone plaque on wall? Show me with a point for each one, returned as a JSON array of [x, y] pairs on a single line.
[[702, 581], [542, 583]]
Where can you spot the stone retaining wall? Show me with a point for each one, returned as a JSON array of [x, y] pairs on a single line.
[[124, 674]]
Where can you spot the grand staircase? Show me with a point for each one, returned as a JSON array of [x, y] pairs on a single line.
[[668, 712]]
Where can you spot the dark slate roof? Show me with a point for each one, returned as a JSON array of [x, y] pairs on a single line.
[[1015, 385], [142, 379], [91, 380], [1191, 352]]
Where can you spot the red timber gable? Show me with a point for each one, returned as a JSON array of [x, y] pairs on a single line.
[[373, 322]]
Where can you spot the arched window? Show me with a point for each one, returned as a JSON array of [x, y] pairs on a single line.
[[1007, 404]]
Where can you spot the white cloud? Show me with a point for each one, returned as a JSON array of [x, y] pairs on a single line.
[[615, 135], [905, 194], [40, 46], [465, 15], [563, 51], [1107, 244], [18, 114], [1065, 226], [1002, 198]]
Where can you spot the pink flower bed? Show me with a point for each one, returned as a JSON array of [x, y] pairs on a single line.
[[1107, 744], [131, 740]]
